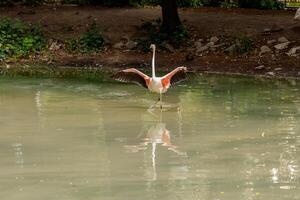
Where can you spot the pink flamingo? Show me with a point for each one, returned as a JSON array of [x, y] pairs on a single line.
[[154, 84]]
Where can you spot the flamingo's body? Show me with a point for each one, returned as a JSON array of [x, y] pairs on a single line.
[[154, 84], [297, 15]]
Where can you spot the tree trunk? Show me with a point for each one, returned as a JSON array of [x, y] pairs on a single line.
[[170, 15]]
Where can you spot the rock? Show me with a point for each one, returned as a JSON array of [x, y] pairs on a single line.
[[282, 46], [293, 51], [210, 44], [278, 69], [230, 49], [282, 39], [261, 67], [214, 39], [270, 73], [131, 44], [54, 46], [266, 30], [271, 41], [118, 45], [276, 28], [198, 44], [169, 47], [264, 49], [201, 49]]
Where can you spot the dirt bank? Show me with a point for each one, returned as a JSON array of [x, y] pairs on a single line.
[[60, 23]]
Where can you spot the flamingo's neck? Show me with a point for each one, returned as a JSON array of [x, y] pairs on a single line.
[[153, 64]]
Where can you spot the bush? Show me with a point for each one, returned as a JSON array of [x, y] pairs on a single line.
[[5, 3], [261, 4], [19, 39], [25, 2], [90, 41]]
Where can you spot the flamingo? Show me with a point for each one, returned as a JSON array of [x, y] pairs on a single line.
[[297, 15], [154, 84]]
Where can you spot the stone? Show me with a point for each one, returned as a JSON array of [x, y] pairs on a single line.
[[293, 51], [271, 41], [198, 44], [230, 49], [270, 73], [131, 44], [282, 39], [282, 46], [54, 46], [118, 45], [261, 67], [201, 49], [278, 69], [210, 44], [264, 49], [169, 47], [214, 39]]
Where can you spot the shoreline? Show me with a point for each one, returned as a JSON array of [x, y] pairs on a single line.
[[96, 74]]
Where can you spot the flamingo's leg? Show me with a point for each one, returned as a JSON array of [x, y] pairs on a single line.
[[160, 99], [154, 104]]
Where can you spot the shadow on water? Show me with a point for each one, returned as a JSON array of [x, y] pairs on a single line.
[[216, 138]]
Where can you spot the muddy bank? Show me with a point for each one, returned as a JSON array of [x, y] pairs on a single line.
[[264, 27]]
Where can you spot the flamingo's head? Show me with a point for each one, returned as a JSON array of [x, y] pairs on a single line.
[[152, 47]]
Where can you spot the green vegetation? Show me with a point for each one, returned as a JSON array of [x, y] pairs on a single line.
[[90, 41], [5, 3], [293, 4], [261, 4], [24, 2], [18, 39]]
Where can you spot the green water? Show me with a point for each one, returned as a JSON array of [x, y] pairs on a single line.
[[216, 138]]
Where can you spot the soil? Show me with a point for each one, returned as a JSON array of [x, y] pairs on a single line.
[[63, 22]]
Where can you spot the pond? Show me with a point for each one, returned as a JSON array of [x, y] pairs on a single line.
[[215, 138]]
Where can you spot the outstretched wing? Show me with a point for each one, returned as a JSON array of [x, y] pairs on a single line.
[[132, 75], [177, 75]]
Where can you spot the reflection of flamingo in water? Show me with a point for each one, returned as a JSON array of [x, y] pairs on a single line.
[[154, 84], [157, 134]]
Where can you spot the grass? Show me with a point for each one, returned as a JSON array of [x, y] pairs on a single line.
[[293, 4]]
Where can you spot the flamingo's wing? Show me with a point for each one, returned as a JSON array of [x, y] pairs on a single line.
[[177, 75], [132, 75]]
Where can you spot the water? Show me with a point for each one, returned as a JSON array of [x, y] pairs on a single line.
[[216, 138]]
